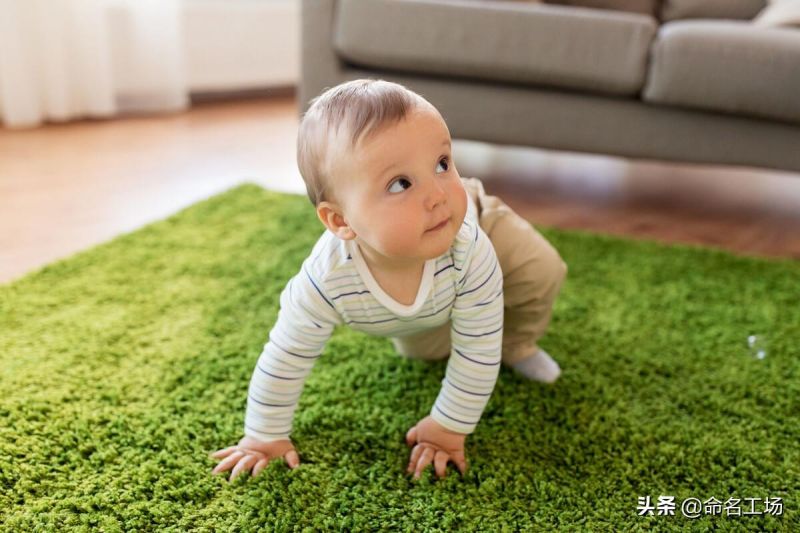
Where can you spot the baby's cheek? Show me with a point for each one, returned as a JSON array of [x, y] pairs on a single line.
[[459, 203], [386, 232]]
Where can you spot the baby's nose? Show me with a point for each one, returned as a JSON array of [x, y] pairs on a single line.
[[436, 195]]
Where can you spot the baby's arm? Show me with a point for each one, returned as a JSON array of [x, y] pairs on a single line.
[[305, 322], [477, 340]]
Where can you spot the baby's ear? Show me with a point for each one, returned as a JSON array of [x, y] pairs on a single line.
[[330, 215]]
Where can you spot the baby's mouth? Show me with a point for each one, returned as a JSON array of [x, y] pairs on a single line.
[[438, 226]]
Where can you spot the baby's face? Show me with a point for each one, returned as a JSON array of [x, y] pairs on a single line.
[[400, 191]]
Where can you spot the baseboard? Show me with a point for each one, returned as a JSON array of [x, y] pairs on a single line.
[[201, 97]]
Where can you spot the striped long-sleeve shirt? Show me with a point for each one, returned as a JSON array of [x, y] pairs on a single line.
[[334, 286]]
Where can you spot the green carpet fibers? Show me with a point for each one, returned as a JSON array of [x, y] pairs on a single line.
[[124, 366]]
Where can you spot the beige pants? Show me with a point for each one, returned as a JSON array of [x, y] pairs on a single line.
[[532, 276]]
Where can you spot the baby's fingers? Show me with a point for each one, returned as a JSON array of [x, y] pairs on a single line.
[[292, 459], [424, 460], [411, 436], [440, 463], [220, 454], [260, 465], [227, 463], [415, 453], [244, 464], [460, 461]]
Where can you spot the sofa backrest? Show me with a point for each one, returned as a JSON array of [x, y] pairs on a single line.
[[667, 10], [715, 9], [646, 7]]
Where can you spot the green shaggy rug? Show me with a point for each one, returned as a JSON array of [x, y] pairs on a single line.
[[124, 366]]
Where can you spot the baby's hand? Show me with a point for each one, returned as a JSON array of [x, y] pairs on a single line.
[[433, 443], [255, 454]]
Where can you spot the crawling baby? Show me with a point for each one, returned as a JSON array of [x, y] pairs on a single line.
[[412, 252]]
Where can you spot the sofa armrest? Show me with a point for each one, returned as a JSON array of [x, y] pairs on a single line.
[[320, 66]]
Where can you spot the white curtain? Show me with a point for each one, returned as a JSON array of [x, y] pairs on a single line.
[[65, 59]]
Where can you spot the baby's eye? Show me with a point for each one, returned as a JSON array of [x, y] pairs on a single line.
[[399, 185], [446, 163]]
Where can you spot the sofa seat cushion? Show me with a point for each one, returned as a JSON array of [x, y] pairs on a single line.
[[571, 48], [728, 66]]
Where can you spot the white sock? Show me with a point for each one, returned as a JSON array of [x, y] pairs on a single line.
[[539, 367]]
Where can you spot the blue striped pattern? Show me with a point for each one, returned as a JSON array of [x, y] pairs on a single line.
[[467, 289]]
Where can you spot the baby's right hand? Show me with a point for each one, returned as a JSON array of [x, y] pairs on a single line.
[[255, 454]]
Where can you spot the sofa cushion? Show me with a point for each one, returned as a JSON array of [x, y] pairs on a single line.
[[711, 9], [728, 66], [779, 13], [556, 46], [645, 7]]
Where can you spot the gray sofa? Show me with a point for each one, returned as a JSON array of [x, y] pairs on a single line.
[[679, 80]]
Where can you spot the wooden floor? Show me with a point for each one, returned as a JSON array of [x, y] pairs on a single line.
[[64, 188]]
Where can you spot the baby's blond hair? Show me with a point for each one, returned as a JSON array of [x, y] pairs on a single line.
[[343, 115]]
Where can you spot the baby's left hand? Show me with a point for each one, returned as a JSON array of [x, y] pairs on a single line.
[[434, 444]]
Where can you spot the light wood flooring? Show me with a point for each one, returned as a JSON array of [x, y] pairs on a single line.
[[66, 187]]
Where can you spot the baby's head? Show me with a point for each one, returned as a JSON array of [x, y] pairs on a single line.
[[377, 163]]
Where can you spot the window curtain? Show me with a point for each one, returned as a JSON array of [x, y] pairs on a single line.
[[69, 59]]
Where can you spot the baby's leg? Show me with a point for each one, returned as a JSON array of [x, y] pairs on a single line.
[[430, 344], [533, 273]]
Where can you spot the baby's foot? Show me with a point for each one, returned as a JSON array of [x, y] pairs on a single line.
[[539, 367]]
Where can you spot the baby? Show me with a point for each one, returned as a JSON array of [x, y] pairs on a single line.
[[412, 252]]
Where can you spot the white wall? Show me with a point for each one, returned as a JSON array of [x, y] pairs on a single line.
[[241, 44]]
